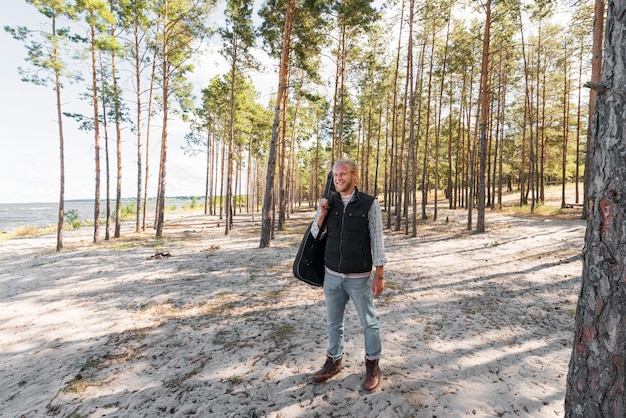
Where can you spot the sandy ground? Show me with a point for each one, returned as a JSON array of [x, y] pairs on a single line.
[[477, 325]]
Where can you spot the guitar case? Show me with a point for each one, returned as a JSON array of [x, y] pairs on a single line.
[[308, 265]]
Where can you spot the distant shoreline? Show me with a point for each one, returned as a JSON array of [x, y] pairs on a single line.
[[43, 214]]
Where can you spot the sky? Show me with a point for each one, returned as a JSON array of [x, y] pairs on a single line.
[[29, 140]]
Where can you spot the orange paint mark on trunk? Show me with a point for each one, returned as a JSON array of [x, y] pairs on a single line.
[[606, 211], [599, 306], [589, 333]]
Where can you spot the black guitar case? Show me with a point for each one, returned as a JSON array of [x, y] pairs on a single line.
[[309, 263]]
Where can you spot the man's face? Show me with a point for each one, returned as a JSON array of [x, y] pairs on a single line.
[[344, 179]]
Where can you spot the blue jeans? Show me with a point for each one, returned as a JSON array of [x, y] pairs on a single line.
[[338, 291]]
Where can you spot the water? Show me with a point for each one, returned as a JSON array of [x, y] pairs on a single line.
[[15, 215]]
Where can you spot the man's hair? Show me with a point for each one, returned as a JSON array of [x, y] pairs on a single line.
[[348, 163]]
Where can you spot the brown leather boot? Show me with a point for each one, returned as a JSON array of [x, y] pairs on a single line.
[[331, 367], [372, 376]]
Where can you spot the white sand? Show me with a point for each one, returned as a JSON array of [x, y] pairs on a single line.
[[473, 324]]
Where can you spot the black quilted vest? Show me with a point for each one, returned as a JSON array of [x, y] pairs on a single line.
[[348, 247]]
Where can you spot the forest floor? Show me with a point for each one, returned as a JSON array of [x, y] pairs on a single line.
[[472, 324]]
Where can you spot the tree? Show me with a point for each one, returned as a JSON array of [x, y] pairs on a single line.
[[133, 16], [97, 14], [182, 26], [484, 117], [238, 39], [597, 369], [281, 95], [45, 55], [596, 67]]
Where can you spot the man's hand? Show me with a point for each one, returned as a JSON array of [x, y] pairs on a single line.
[[378, 285], [323, 206], [378, 282]]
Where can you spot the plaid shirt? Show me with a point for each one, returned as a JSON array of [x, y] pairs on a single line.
[[375, 219]]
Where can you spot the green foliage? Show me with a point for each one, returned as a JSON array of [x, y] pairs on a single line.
[[192, 205], [72, 218], [128, 211], [45, 50]]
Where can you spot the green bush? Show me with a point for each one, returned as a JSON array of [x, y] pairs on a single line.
[[128, 211], [72, 218], [191, 205]]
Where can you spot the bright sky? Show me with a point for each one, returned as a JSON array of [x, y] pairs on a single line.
[[29, 140]]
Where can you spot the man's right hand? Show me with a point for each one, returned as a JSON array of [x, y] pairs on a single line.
[[323, 207]]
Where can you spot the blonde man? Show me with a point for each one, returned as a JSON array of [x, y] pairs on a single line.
[[354, 249]]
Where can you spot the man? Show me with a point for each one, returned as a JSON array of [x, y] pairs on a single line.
[[353, 247]]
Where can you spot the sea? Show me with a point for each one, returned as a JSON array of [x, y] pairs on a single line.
[[16, 215]]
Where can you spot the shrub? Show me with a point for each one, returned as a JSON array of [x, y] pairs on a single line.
[[72, 218], [25, 231], [127, 211]]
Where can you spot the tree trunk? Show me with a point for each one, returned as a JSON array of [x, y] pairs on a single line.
[[440, 111], [578, 116], [425, 171], [266, 215], [282, 163], [565, 128], [96, 210], [597, 374], [596, 67], [389, 182], [231, 139], [118, 137], [107, 165], [138, 127], [484, 118], [160, 217], [149, 124], [57, 83], [207, 176], [527, 113]]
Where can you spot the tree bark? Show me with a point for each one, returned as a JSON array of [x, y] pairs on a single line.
[[596, 67], [231, 138], [118, 137], [596, 378], [57, 79], [484, 118], [148, 126], [160, 213], [138, 125], [266, 215], [96, 210]]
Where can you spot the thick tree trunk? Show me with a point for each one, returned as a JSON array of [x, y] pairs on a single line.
[[268, 198], [596, 378]]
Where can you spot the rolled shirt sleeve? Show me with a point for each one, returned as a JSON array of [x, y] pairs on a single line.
[[376, 235], [314, 228]]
